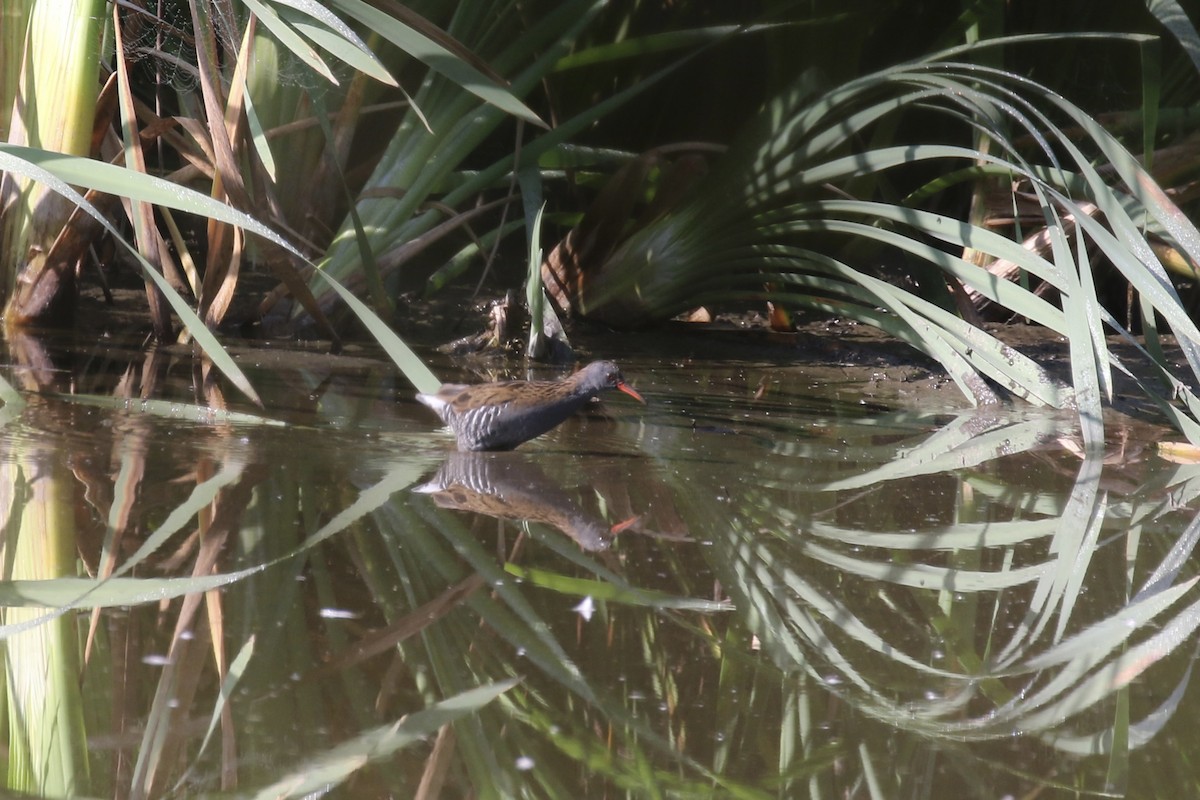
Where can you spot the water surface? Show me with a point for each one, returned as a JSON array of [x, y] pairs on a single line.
[[762, 584]]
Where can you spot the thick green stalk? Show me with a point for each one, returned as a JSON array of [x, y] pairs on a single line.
[[47, 740], [14, 16], [55, 105]]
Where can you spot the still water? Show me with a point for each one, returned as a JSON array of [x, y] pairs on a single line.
[[759, 586]]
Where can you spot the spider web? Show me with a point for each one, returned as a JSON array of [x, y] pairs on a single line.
[[159, 39]]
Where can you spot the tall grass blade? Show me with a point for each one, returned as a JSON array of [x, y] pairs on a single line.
[[342, 761]]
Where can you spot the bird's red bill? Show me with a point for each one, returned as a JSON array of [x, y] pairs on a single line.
[[625, 525], [629, 390]]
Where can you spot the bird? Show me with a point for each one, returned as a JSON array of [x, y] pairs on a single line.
[[505, 414]]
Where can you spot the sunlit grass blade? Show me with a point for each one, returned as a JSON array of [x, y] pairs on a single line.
[[1089, 362], [61, 170], [414, 369], [63, 594], [201, 497], [1118, 673], [929, 576], [286, 33], [30, 163], [1058, 585], [534, 295], [203, 336], [170, 409], [1140, 732], [1088, 646], [967, 441], [959, 536], [237, 669], [600, 590], [1168, 569], [340, 42], [342, 761], [258, 136], [43, 165], [437, 57]]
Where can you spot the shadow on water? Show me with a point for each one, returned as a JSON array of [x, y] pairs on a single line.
[[746, 589]]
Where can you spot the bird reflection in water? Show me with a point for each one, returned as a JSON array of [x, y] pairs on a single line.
[[505, 487]]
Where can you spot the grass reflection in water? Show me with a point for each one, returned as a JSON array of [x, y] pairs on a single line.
[[826, 603]]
